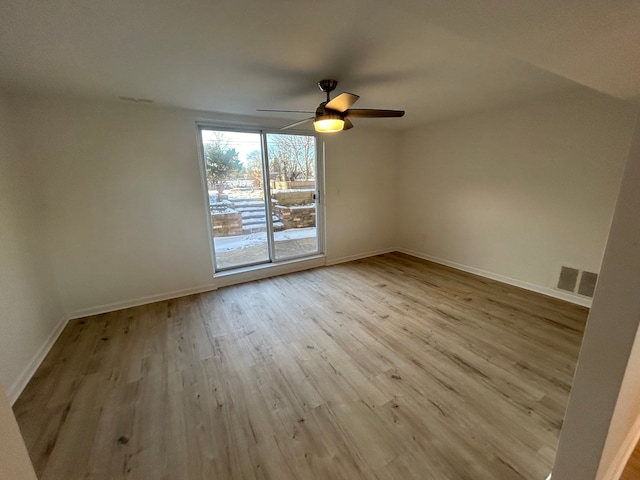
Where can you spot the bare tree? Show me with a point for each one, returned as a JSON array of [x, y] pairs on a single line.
[[292, 156], [254, 167]]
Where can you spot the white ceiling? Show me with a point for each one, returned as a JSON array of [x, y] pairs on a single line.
[[432, 58]]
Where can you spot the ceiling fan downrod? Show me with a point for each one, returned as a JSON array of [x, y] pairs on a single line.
[[327, 86]]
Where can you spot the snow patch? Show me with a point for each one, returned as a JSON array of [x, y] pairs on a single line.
[[238, 242]]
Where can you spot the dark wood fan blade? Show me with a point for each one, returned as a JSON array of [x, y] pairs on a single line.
[[283, 111], [297, 123], [371, 113], [342, 102], [347, 124]]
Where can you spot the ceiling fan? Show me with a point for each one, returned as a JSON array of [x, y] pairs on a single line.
[[332, 115]]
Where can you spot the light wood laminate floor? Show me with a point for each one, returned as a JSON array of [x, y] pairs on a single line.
[[384, 368], [632, 469]]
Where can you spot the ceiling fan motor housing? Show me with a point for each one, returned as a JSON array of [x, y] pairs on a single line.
[[327, 85], [323, 112]]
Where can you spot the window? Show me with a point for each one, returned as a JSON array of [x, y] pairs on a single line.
[[261, 215]]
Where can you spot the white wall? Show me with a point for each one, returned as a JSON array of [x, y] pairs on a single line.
[[125, 210], [602, 405], [30, 312], [517, 192], [108, 197], [362, 191], [624, 431], [123, 198]]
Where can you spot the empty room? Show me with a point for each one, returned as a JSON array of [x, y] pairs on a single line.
[[340, 240]]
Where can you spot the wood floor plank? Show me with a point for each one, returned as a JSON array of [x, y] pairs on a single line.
[[632, 469], [384, 368]]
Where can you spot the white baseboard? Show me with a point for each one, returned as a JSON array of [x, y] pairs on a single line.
[[614, 470], [15, 389], [358, 256], [578, 300], [223, 279], [111, 307], [226, 279]]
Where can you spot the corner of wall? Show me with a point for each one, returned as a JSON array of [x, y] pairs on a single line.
[[15, 389]]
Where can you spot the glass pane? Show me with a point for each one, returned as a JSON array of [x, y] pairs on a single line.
[[233, 164], [292, 177]]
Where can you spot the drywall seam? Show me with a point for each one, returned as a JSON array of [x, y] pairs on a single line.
[[351, 258], [15, 389], [585, 302], [624, 453]]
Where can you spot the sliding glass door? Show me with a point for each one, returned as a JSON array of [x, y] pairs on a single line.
[[293, 192], [263, 192]]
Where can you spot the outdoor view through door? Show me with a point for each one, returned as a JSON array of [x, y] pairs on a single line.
[[261, 215]]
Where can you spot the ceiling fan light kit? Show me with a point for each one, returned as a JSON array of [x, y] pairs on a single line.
[[327, 124], [331, 115]]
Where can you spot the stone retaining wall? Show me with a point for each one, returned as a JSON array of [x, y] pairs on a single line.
[[293, 197], [299, 216], [226, 222], [293, 185]]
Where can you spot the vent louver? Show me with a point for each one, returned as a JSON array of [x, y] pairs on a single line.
[[587, 283], [568, 279], [577, 281]]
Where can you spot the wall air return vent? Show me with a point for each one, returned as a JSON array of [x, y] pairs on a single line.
[[587, 283], [568, 279], [577, 281]]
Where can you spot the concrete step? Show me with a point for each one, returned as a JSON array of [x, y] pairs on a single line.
[[247, 203], [253, 221], [257, 220], [246, 229], [249, 209], [248, 215]]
